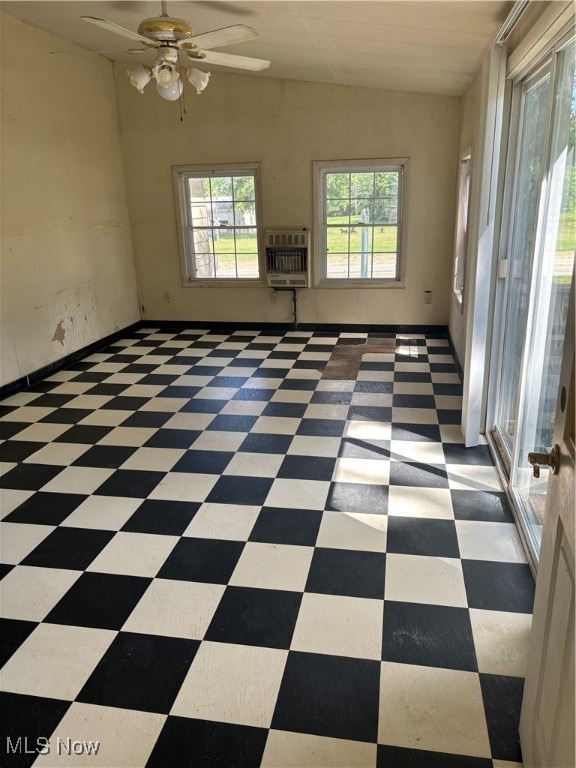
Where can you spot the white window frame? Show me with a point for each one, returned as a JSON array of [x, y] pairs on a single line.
[[320, 169], [180, 175]]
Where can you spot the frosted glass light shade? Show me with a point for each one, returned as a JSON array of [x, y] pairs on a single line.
[[139, 77], [171, 92], [198, 79]]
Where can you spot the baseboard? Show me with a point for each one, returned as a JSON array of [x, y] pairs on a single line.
[[433, 330], [455, 356], [218, 325], [25, 382], [429, 330]]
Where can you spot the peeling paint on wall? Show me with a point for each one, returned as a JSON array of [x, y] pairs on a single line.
[[59, 333], [76, 308]]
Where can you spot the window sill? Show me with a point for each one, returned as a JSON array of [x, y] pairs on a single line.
[[359, 283], [459, 300], [223, 283]]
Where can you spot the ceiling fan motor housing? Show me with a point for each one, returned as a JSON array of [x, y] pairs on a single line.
[[165, 29], [167, 53]]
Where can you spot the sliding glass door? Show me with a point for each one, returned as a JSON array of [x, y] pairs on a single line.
[[537, 265]]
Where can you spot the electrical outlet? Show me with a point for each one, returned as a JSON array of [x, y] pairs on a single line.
[[167, 296], [427, 297], [274, 296]]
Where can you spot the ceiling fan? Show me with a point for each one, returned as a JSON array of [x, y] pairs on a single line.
[[171, 38]]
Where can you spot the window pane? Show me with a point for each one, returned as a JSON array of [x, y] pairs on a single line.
[[386, 239], [356, 240], [338, 185], [365, 212], [366, 239], [386, 210], [244, 214], [221, 187], [202, 253], [248, 265], [387, 184], [200, 203], [200, 187], [225, 264], [244, 188], [246, 241], [364, 256], [198, 190], [362, 185], [225, 235], [222, 212], [200, 215], [337, 212], [384, 265], [248, 214], [337, 265], [355, 266], [337, 239]]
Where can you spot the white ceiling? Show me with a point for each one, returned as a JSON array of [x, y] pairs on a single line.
[[427, 46]]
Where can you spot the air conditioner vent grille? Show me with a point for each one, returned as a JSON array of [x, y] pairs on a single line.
[[277, 238], [287, 258]]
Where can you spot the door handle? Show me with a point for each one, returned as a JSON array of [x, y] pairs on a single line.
[[550, 460]]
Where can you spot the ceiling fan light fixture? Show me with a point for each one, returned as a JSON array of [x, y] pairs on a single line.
[[173, 40], [197, 78], [140, 77], [171, 92]]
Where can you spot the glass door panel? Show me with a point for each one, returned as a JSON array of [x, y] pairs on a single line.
[[534, 118], [552, 276]]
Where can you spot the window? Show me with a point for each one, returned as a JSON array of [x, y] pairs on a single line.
[[218, 222], [462, 226], [359, 227]]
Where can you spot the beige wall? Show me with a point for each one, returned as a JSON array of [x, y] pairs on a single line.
[[286, 125], [67, 270], [470, 128]]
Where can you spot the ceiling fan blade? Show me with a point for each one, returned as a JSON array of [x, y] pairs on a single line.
[[238, 33], [237, 62], [111, 27]]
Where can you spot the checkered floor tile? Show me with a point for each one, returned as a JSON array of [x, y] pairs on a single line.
[[213, 556]]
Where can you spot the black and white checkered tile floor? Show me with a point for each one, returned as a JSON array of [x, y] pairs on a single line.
[[213, 557]]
